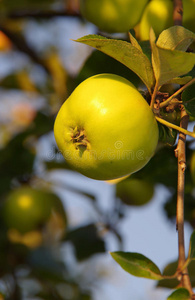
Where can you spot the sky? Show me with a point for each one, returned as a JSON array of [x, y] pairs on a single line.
[[145, 230]]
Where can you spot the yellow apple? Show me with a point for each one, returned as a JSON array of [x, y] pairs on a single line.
[[158, 14], [113, 16], [106, 129]]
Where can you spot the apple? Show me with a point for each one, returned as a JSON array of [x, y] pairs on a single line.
[[158, 14], [189, 14], [27, 209], [133, 191], [106, 129], [117, 180], [113, 16]]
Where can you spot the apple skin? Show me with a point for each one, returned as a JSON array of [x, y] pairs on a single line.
[[189, 14], [106, 129], [26, 209], [113, 16], [158, 14], [134, 191]]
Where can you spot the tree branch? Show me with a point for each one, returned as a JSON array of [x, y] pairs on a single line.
[[20, 43], [180, 153], [181, 157], [177, 12], [43, 14]]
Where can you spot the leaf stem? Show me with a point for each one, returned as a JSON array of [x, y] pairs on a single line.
[[178, 128], [154, 95], [180, 153], [165, 103]]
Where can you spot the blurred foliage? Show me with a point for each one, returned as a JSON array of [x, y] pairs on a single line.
[[43, 82]]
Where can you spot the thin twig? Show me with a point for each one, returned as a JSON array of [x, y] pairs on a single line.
[[42, 14], [165, 103], [178, 128], [153, 99]]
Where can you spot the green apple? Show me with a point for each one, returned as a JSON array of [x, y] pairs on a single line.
[[134, 191], [106, 129], [27, 209], [113, 16], [158, 14], [189, 14]]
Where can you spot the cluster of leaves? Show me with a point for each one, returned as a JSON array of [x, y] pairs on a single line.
[[164, 62]]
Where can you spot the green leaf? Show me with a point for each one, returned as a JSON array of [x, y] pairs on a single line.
[[188, 98], [146, 48], [167, 135], [98, 62], [170, 269], [137, 264], [125, 53], [191, 254], [180, 80], [86, 235], [134, 42], [166, 174], [176, 38], [168, 64], [180, 294]]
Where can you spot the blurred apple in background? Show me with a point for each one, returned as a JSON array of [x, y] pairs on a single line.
[[134, 191], [158, 14], [113, 16], [33, 216]]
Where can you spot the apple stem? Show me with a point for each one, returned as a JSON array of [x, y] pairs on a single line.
[[79, 138], [165, 103], [178, 128]]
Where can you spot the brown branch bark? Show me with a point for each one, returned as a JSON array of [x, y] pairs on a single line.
[[180, 153], [181, 157], [177, 12], [42, 14]]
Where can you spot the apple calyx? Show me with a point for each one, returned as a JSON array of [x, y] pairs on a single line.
[[79, 138]]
